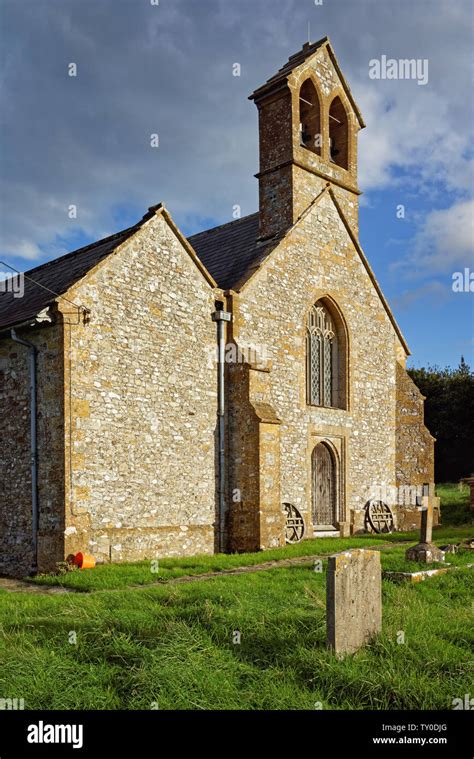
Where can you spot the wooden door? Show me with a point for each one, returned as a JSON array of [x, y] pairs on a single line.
[[324, 506]]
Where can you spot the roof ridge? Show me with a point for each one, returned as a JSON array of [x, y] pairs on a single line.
[[306, 48], [295, 60]]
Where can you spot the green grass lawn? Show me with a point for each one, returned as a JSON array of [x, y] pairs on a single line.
[[120, 576], [171, 646], [117, 576], [114, 576], [455, 504], [393, 560], [174, 645]]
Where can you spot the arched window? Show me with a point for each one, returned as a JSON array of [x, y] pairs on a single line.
[[338, 134], [310, 119], [326, 358], [321, 339]]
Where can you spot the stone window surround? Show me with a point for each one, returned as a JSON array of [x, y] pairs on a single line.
[[322, 357], [324, 104], [336, 441], [312, 115], [343, 354], [343, 127]]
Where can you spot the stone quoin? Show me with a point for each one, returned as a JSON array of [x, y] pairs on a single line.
[[133, 444]]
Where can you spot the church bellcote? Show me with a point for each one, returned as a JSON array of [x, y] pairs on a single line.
[[308, 126]]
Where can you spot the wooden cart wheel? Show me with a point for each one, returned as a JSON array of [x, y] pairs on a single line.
[[294, 528]]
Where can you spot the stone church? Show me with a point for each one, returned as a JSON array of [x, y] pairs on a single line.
[[170, 396]]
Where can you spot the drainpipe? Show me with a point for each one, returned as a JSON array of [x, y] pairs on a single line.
[[34, 445], [220, 316]]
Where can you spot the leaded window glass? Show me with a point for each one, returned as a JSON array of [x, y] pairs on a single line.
[[321, 337], [327, 372], [315, 348]]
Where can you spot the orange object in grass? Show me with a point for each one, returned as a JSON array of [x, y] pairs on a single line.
[[84, 561]]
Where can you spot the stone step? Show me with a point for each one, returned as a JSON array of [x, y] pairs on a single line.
[[326, 534]]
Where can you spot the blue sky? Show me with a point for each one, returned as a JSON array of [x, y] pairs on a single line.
[[167, 69]]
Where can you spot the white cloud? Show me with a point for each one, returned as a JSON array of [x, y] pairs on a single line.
[[444, 242], [24, 249], [415, 130], [436, 291]]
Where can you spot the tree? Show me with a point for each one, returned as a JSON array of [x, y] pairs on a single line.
[[449, 416]]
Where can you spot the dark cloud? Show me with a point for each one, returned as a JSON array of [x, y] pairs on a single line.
[[167, 69]]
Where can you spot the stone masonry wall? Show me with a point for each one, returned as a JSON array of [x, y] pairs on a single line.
[[344, 181], [255, 516], [140, 465], [15, 458], [243, 463], [414, 449], [415, 444], [294, 175], [318, 259]]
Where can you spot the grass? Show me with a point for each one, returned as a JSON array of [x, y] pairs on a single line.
[[114, 576], [393, 560], [117, 576], [172, 646], [121, 576], [455, 504]]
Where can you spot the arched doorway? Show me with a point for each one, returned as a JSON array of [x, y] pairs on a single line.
[[324, 488]]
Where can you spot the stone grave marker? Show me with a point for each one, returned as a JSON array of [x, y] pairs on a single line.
[[470, 482], [353, 600], [425, 551]]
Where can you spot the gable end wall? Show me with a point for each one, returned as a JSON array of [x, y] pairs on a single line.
[[141, 426]]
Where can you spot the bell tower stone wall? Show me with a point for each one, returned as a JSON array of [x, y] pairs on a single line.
[[308, 127]]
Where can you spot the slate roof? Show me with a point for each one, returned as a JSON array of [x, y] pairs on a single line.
[[309, 48], [226, 251], [278, 80], [229, 250], [56, 276]]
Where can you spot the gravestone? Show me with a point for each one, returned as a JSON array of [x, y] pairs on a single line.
[[425, 551], [353, 600], [470, 482]]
